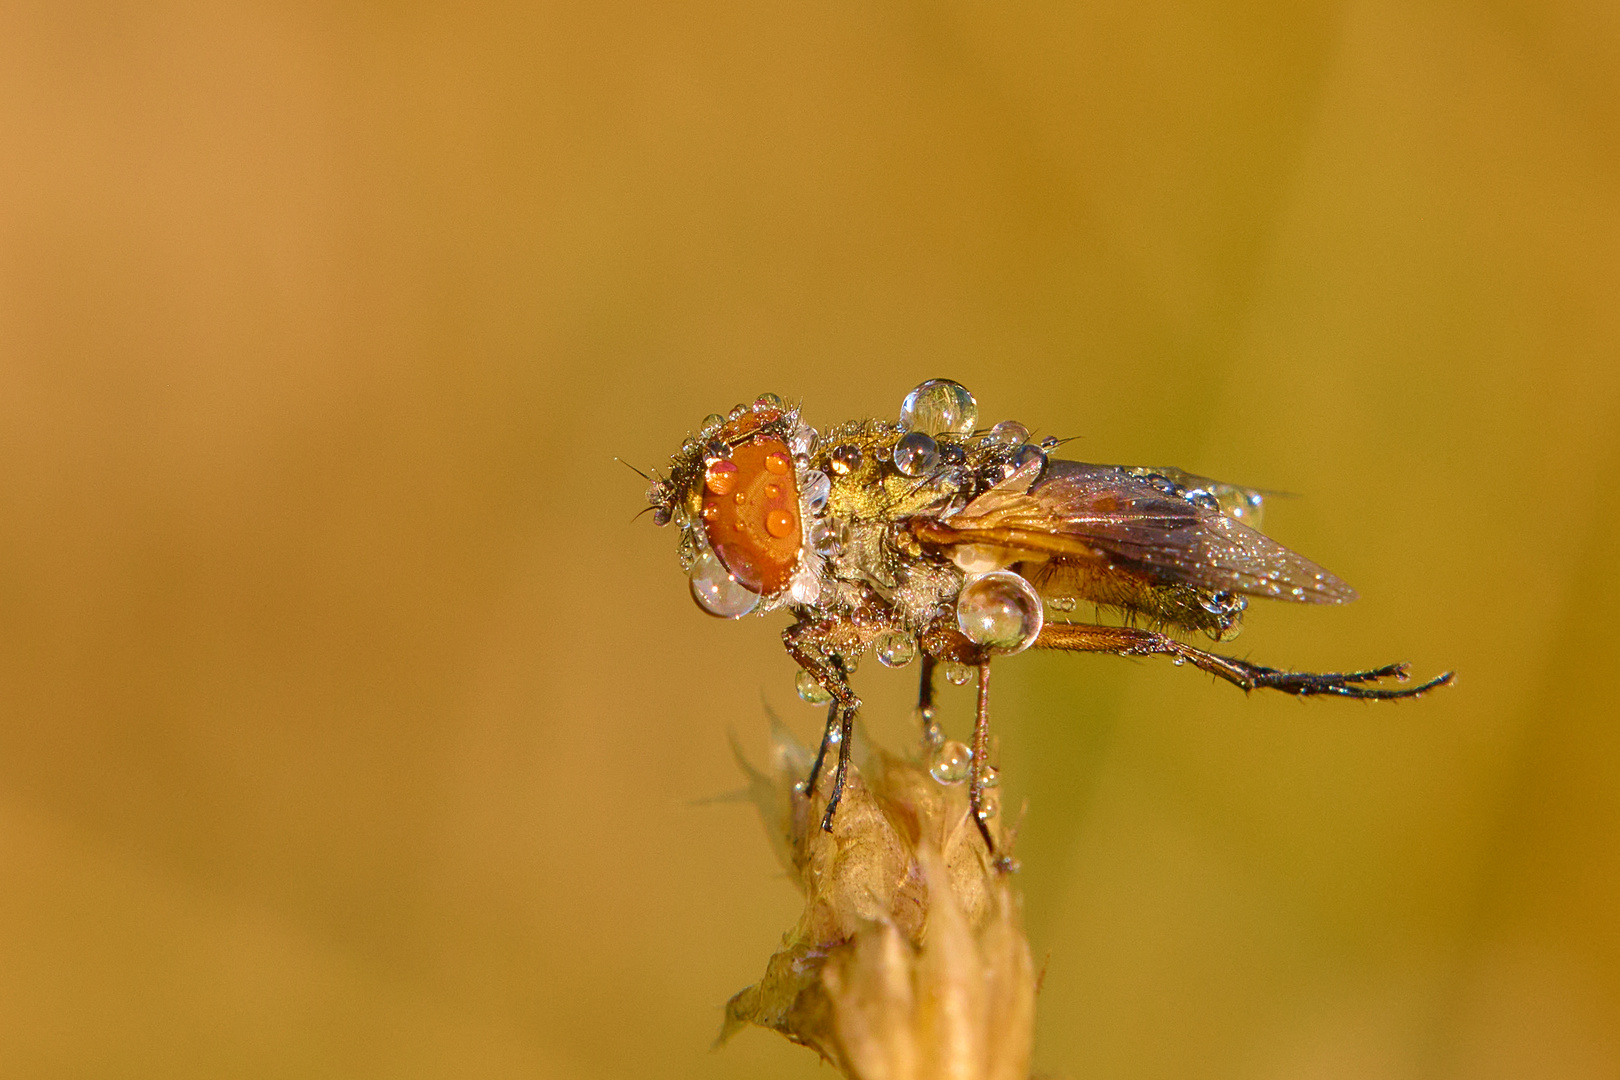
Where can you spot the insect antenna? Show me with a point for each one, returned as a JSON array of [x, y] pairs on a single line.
[[632, 468]]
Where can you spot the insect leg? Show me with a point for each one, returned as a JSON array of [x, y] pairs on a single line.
[[932, 736], [803, 641], [846, 731], [981, 769], [821, 754], [1131, 641]]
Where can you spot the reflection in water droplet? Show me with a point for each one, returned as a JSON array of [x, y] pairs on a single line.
[[805, 588], [939, 407], [1028, 453], [956, 674], [834, 737], [717, 592], [1000, 611], [1008, 433], [1202, 497], [846, 458], [989, 805], [809, 689], [1062, 603], [804, 440], [768, 401], [720, 477], [713, 420], [916, 454], [739, 411], [816, 487], [894, 648], [951, 762]]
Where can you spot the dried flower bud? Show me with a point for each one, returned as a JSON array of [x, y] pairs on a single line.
[[909, 960]]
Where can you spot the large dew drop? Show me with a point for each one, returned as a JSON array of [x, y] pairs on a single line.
[[894, 648], [916, 454], [951, 763], [809, 689], [939, 407], [717, 592], [1000, 611]]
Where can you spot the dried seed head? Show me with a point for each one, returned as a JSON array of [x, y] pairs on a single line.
[[857, 979]]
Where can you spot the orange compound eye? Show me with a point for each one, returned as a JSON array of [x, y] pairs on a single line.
[[756, 532]]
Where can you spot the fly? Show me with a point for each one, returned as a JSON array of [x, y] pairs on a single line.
[[931, 537]]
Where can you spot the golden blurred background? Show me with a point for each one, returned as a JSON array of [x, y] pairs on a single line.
[[350, 727]]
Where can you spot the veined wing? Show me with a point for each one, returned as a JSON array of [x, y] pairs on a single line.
[[1105, 513]]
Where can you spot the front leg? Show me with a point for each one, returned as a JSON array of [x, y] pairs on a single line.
[[1129, 641], [813, 645]]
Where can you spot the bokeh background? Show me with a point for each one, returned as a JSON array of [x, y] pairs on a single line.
[[350, 727]]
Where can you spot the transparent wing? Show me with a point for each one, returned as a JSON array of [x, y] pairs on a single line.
[[1107, 513]]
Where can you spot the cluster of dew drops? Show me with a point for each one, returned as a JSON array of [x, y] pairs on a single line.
[[997, 610]]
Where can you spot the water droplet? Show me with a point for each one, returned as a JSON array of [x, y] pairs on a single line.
[[660, 515], [846, 458], [939, 407], [1008, 433], [1178, 660], [780, 523], [805, 588], [710, 422], [951, 762], [816, 487], [716, 450], [804, 440], [767, 401], [957, 674], [689, 446], [992, 776], [894, 648], [1000, 611], [738, 412], [989, 805], [717, 592], [916, 454], [1062, 603], [1051, 442], [1222, 603], [809, 689], [1202, 497], [1028, 453], [835, 736], [720, 477]]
